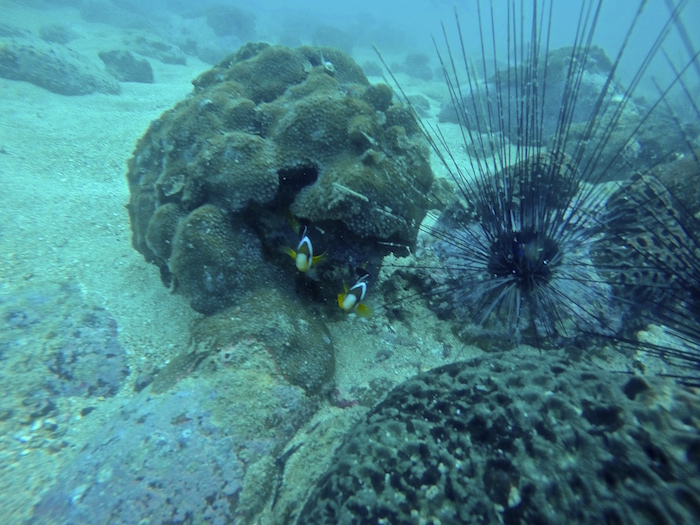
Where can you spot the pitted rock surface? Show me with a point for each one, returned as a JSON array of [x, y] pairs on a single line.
[[518, 439]]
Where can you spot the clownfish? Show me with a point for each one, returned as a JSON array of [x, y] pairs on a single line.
[[304, 255], [351, 300]]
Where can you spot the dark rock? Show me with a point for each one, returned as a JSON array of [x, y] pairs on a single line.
[[57, 33], [502, 440], [448, 113], [125, 67], [91, 362], [56, 346], [199, 443], [163, 458]]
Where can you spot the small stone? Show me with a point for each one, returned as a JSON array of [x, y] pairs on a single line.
[[50, 425], [514, 498]]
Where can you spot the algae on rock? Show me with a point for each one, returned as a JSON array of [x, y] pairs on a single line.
[[268, 131]]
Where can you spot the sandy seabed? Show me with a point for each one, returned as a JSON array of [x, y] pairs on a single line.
[[63, 221]]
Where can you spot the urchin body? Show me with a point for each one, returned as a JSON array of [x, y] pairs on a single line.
[[520, 257], [524, 262]]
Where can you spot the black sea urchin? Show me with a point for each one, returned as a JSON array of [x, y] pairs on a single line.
[[651, 248], [541, 129], [652, 252]]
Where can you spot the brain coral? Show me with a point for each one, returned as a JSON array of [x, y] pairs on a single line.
[[517, 439], [269, 131]]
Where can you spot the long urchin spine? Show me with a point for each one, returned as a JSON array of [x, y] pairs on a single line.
[[534, 207]]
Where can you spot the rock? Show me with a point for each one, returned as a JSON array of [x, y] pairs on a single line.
[[416, 65], [125, 15], [11, 31], [227, 20], [267, 131], [200, 442], [298, 342], [135, 466], [421, 105], [125, 67], [331, 36], [516, 438], [55, 68], [214, 261], [56, 347], [372, 68], [185, 454], [90, 361], [57, 33], [158, 49]]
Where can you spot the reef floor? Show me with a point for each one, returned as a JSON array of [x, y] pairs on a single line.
[[85, 318]]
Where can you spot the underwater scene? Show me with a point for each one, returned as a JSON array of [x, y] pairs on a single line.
[[425, 262]]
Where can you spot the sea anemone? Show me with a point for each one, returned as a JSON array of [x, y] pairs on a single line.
[[542, 130]]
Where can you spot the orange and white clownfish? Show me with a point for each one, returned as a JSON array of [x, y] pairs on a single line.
[[351, 300], [304, 254]]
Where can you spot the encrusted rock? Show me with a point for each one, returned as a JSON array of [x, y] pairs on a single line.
[[270, 131], [213, 260]]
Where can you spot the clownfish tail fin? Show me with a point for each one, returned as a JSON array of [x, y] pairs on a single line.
[[363, 310]]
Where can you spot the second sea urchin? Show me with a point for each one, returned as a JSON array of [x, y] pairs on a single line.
[[513, 250]]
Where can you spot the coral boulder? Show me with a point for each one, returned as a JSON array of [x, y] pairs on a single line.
[[269, 132]]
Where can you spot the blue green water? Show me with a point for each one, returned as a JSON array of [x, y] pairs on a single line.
[[121, 401]]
